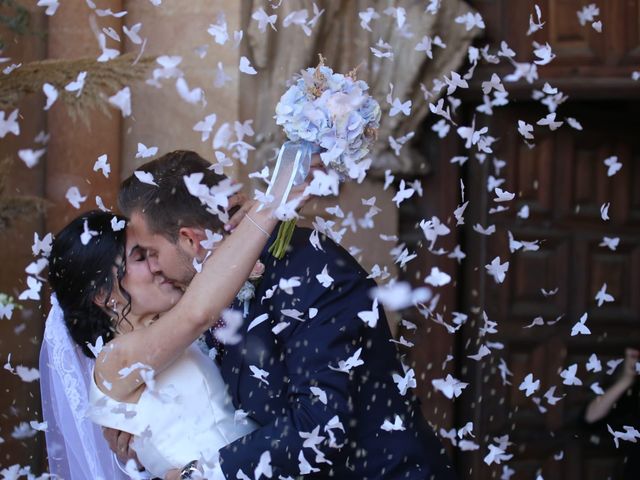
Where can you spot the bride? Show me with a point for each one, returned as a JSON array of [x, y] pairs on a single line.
[[149, 378]]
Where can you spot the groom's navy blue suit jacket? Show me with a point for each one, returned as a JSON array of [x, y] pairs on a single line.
[[300, 356]]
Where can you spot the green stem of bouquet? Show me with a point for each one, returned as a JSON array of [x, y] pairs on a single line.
[[275, 246], [279, 247]]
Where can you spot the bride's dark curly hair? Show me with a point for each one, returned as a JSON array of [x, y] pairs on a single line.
[[79, 274]]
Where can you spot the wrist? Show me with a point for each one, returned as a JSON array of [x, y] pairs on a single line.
[[265, 217], [188, 471], [626, 381]]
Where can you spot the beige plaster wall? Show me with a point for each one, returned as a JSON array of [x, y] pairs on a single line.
[[159, 116]]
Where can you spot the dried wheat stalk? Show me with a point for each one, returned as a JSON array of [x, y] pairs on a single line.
[[103, 80]]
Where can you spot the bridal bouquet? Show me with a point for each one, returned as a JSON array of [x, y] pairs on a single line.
[[331, 114]]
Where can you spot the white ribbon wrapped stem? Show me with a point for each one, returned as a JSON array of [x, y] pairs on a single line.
[[292, 167]]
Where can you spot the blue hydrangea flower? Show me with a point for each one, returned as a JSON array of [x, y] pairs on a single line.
[[335, 113]]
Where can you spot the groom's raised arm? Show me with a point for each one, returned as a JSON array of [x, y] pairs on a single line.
[[309, 434]]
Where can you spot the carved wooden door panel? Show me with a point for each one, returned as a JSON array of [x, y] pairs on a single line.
[[563, 182], [580, 49]]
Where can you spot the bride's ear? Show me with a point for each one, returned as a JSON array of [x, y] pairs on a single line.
[[112, 306], [100, 299], [189, 239]]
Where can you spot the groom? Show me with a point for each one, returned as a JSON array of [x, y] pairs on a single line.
[[308, 370]]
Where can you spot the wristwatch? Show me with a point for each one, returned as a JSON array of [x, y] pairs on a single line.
[[188, 469]]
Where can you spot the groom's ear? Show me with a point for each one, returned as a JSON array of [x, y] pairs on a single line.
[[189, 239]]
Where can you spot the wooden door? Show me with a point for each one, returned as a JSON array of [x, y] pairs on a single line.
[[581, 50], [564, 182]]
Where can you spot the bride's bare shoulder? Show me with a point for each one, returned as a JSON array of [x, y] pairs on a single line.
[[114, 372]]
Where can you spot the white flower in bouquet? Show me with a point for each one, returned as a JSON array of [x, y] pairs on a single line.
[[333, 112]]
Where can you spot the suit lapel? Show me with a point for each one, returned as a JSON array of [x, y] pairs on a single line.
[[232, 365], [232, 360]]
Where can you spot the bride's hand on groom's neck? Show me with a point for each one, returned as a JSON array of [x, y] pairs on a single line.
[[243, 204]]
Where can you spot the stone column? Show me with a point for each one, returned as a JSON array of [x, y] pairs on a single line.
[[74, 146]]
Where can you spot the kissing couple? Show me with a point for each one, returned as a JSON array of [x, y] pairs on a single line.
[[291, 382]]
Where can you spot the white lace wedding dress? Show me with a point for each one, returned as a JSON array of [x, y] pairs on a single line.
[[186, 416]]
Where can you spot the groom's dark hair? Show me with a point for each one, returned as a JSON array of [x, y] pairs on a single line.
[[169, 206]]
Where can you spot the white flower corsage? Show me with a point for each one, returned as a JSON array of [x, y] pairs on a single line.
[[248, 290], [246, 293]]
